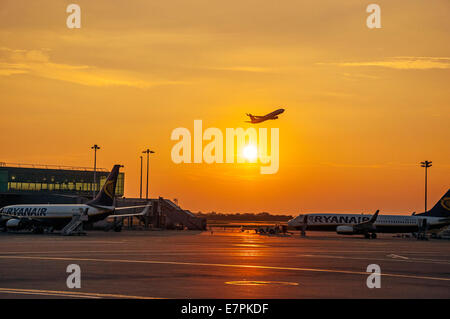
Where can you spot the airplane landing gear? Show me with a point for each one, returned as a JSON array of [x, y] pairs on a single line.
[[422, 236], [48, 230], [38, 230]]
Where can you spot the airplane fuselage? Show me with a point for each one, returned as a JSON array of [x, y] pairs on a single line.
[[383, 224], [55, 215], [274, 114]]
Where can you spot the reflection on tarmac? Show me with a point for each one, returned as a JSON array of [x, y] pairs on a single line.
[[227, 264]]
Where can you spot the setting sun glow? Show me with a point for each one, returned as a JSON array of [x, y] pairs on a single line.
[[250, 152], [136, 71]]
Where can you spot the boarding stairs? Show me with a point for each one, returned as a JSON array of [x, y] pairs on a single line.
[[75, 226], [178, 215], [423, 228]]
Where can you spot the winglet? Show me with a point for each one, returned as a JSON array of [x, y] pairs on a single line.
[[374, 217]]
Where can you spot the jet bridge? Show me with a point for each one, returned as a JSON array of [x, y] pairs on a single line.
[[175, 215], [165, 214]]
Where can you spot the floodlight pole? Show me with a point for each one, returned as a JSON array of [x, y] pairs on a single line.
[[426, 164], [140, 185], [95, 148], [148, 152]]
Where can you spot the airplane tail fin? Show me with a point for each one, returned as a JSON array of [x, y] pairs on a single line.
[[441, 209], [106, 196]]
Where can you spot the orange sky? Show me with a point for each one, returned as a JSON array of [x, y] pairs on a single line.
[[363, 107]]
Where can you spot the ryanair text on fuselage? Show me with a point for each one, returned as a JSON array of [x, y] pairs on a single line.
[[28, 211]]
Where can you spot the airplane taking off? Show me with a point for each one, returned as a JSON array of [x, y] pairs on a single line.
[[353, 224], [67, 217], [254, 119]]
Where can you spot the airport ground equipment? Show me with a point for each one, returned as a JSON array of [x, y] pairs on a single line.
[[303, 227], [164, 214], [423, 228], [444, 234], [278, 229], [175, 215], [75, 227]]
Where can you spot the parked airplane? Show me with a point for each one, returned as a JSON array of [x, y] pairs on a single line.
[[67, 217], [254, 119], [352, 224]]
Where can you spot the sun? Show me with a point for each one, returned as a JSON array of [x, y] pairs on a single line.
[[250, 152]]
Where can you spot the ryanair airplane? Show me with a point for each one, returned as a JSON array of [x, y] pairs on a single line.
[[254, 119], [66, 217], [353, 224]]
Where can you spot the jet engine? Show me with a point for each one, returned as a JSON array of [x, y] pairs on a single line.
[[345, 230], [13, 223]]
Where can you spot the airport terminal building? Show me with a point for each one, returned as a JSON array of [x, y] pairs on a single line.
[[51, 184], [42, 184]]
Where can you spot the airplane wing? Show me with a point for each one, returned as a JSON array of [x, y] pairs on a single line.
[[143, 213], [130, 207], [126, 215], [254, 116]]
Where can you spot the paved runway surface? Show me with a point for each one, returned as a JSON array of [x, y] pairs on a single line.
[[225, 264]]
